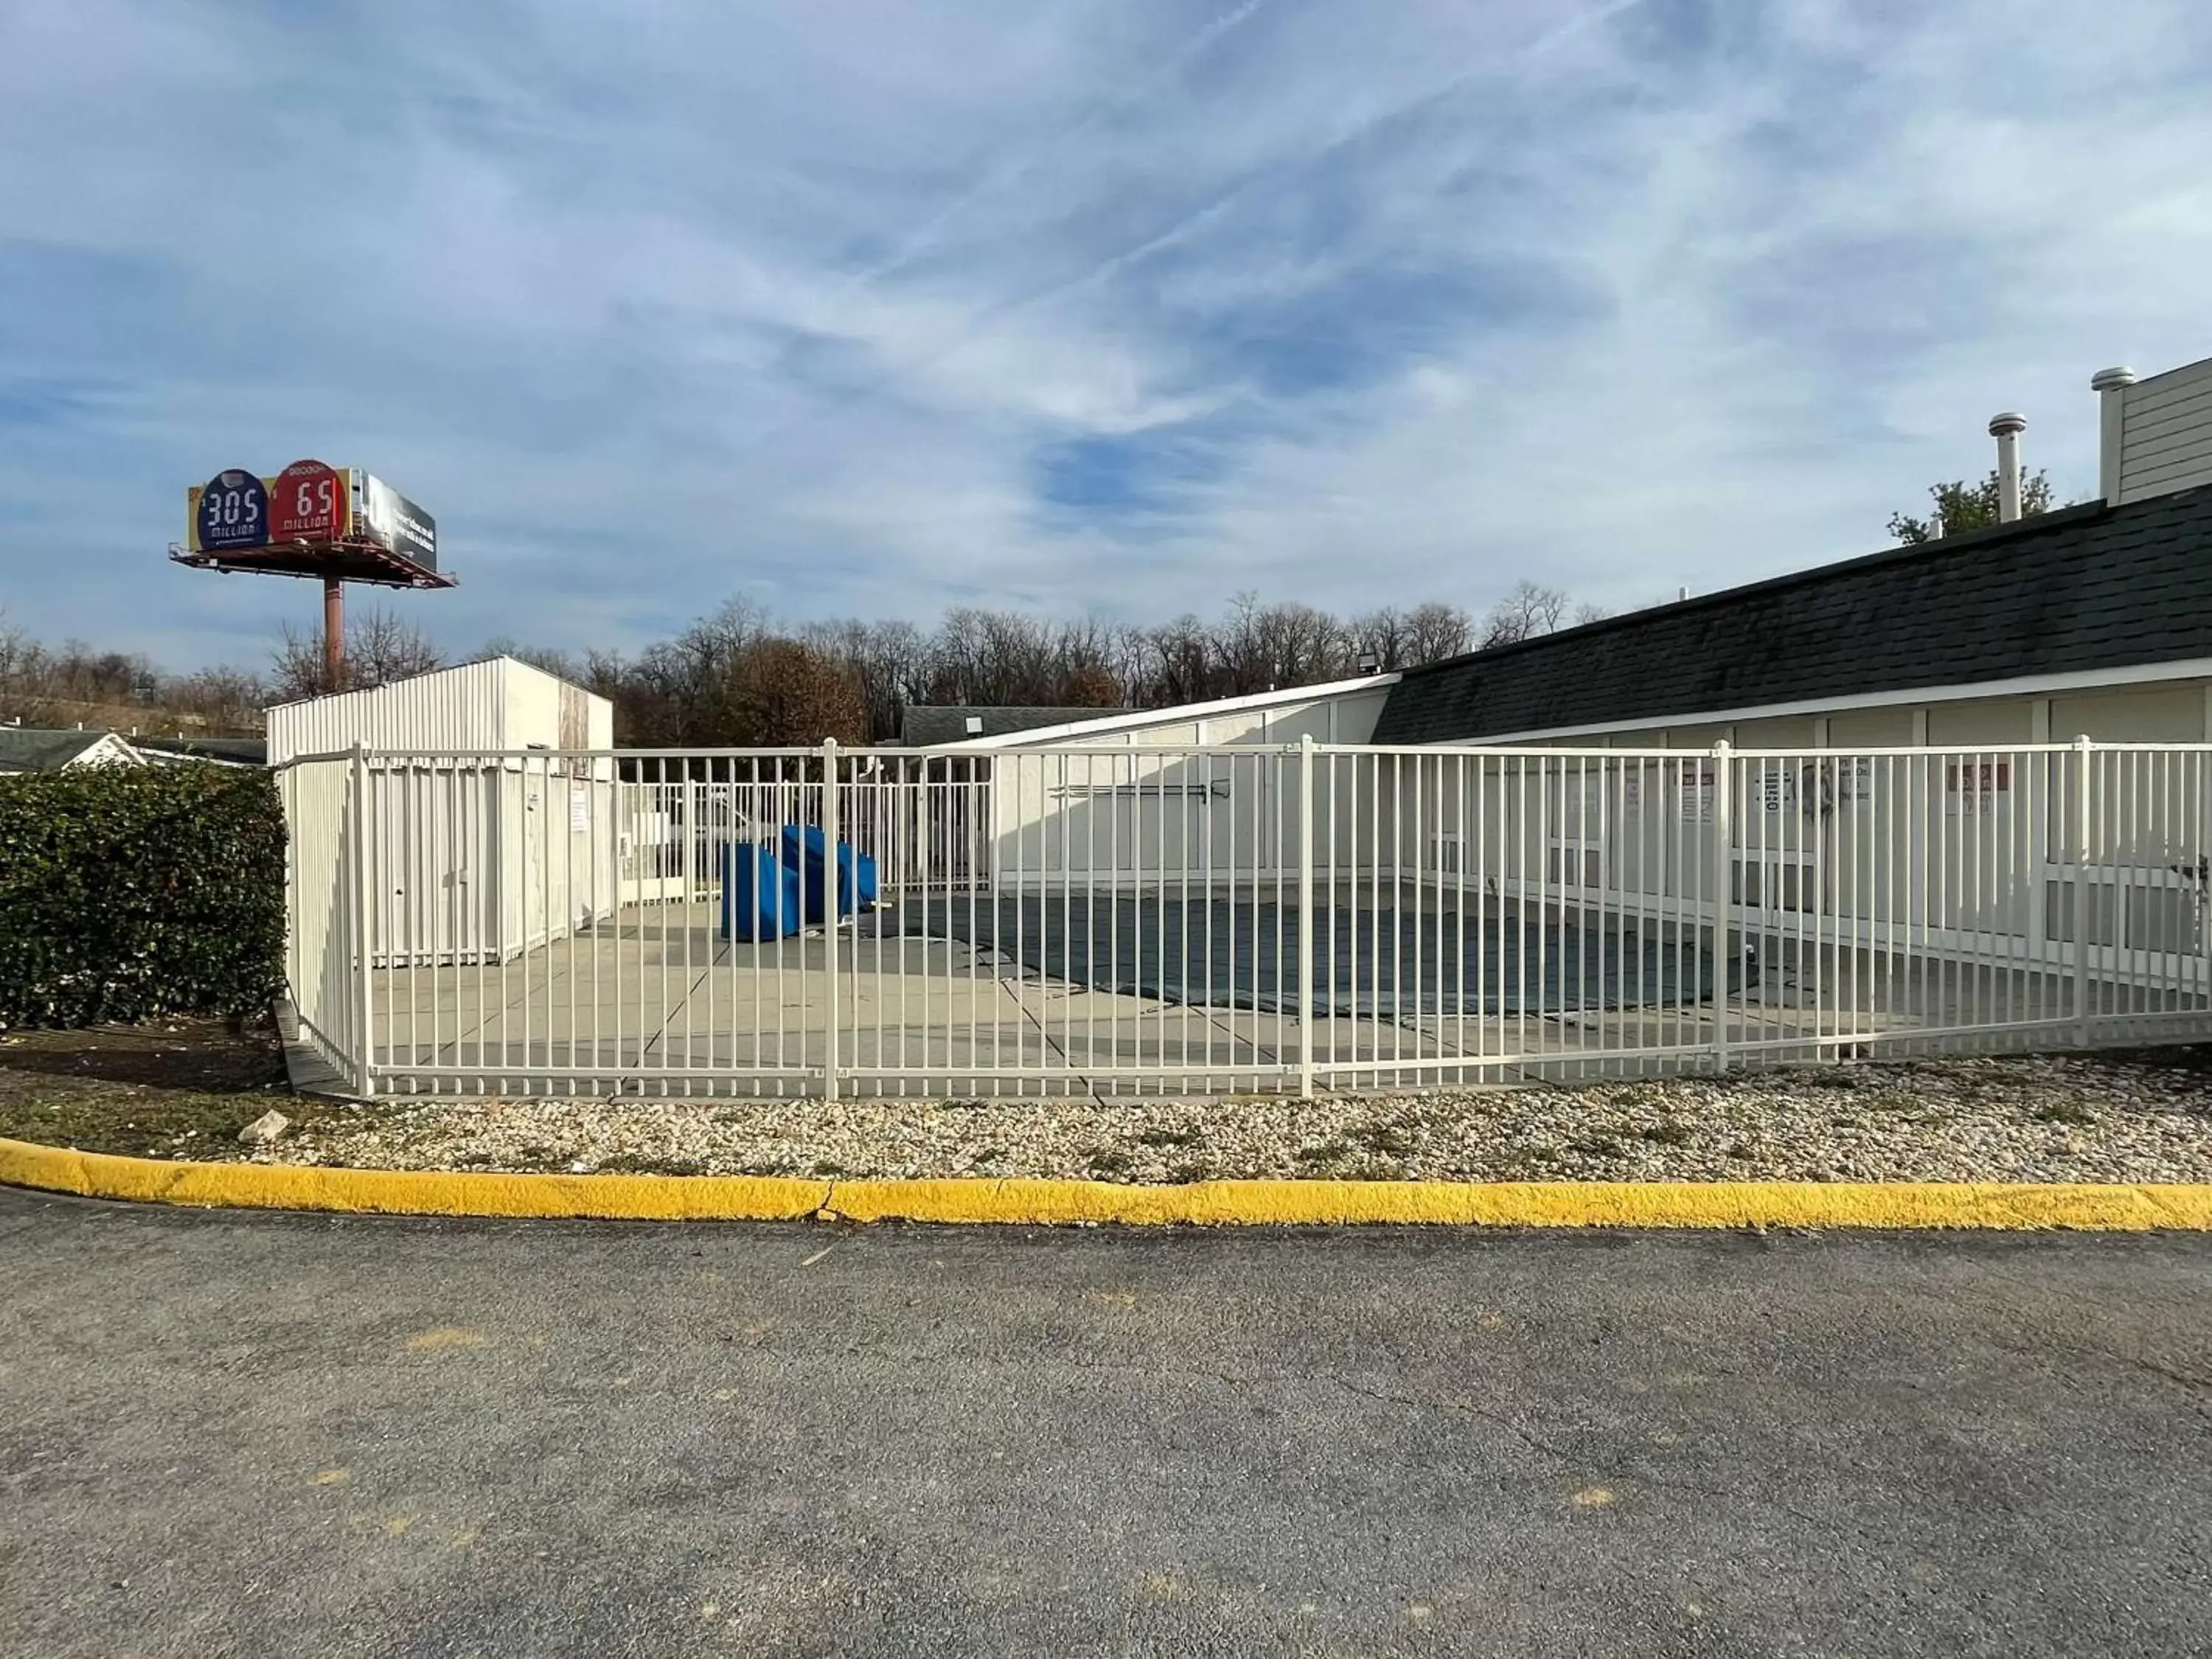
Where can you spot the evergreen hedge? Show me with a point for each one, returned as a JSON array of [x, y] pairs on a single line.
[[129, 892]]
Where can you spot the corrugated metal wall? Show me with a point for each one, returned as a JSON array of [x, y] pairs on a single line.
[[455, 708], [516, 869], [498, 704]]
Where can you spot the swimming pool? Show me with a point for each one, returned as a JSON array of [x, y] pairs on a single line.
[[1225, 953]]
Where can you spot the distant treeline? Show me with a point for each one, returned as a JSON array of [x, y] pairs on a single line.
[[735, 677], [738, 677]]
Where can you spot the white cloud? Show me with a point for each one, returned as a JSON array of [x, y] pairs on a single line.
[[653, 305]]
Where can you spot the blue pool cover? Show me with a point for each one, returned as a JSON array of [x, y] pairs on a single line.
[[1222, 953]]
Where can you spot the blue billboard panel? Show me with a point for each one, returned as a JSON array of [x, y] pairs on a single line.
[[232, 511]]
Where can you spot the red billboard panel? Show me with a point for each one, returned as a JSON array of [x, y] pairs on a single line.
[[307, 503]]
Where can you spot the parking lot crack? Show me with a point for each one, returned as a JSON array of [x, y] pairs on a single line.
[[1614, 1467]]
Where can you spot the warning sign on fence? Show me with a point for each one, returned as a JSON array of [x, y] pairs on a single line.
[[1972, 787]]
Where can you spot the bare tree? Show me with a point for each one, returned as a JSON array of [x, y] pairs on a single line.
[[380, 646], [1527, 611], [1179, 662], [1092, 685], [216, 700], [786, 693], [1434, 632], [1380, 635], [885, 658]]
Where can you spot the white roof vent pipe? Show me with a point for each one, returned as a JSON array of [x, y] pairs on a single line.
[[2110, 384], [2006, 429]]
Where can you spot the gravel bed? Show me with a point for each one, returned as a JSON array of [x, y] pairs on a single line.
[[2144, 1117]]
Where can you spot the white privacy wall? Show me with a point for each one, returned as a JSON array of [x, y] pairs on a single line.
[[1137, 794]]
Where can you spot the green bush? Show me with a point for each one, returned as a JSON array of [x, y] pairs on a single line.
[[128, 892]]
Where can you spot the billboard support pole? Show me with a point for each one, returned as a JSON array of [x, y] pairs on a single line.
[[333, 634]]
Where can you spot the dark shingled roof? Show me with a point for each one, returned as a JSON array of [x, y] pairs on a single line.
[[2084, 588], [926, 724]]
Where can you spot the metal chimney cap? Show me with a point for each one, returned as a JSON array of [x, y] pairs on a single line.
[[2007, 422], [2111, 379]]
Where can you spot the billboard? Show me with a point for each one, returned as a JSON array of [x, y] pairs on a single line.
[[393, 522], [310, 509], [307, 503], [230, 510]]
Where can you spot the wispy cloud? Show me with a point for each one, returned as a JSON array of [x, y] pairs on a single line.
[[868, 307]]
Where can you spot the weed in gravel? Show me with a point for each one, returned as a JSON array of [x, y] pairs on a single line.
[[1893, 1103], [1166, 1135], [1184, 1174], [2065, 1111], [1665, 1134], [1736, 1149], [1595, 1146], [1326, 1151], [826, 1167], [1385, 1140], [1840, 1079], [1107, 1161]]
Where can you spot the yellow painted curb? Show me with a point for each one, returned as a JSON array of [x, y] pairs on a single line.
[[2089, 1206], [408, 1192], [1534, 1204]]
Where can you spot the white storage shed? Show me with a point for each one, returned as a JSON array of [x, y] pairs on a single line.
[[510, 848]]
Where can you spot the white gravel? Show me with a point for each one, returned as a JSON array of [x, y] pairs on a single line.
[[2136, 1118]]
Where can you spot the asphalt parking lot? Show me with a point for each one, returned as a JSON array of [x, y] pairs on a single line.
[[269, 1434]]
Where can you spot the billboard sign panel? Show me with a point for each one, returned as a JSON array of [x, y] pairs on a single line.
[[231, 510], [396, 524], [307, 503]]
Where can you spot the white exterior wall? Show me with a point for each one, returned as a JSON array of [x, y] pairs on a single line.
[[473, 857], [2135, 709], [1060, 813], [498, 704], [1343, 718], [2165, 433], [1926, 845], [454, 708]]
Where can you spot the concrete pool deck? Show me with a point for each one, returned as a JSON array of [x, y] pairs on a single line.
[[653, 1002]]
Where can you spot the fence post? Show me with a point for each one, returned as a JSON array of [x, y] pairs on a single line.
[[833, 896], [1305, 917], [1723, 902], [2084, 819], [364, 1078]]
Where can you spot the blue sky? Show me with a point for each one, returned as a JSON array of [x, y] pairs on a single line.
[[871, 307]]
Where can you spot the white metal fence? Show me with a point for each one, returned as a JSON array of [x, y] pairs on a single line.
[[1183, 921]]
